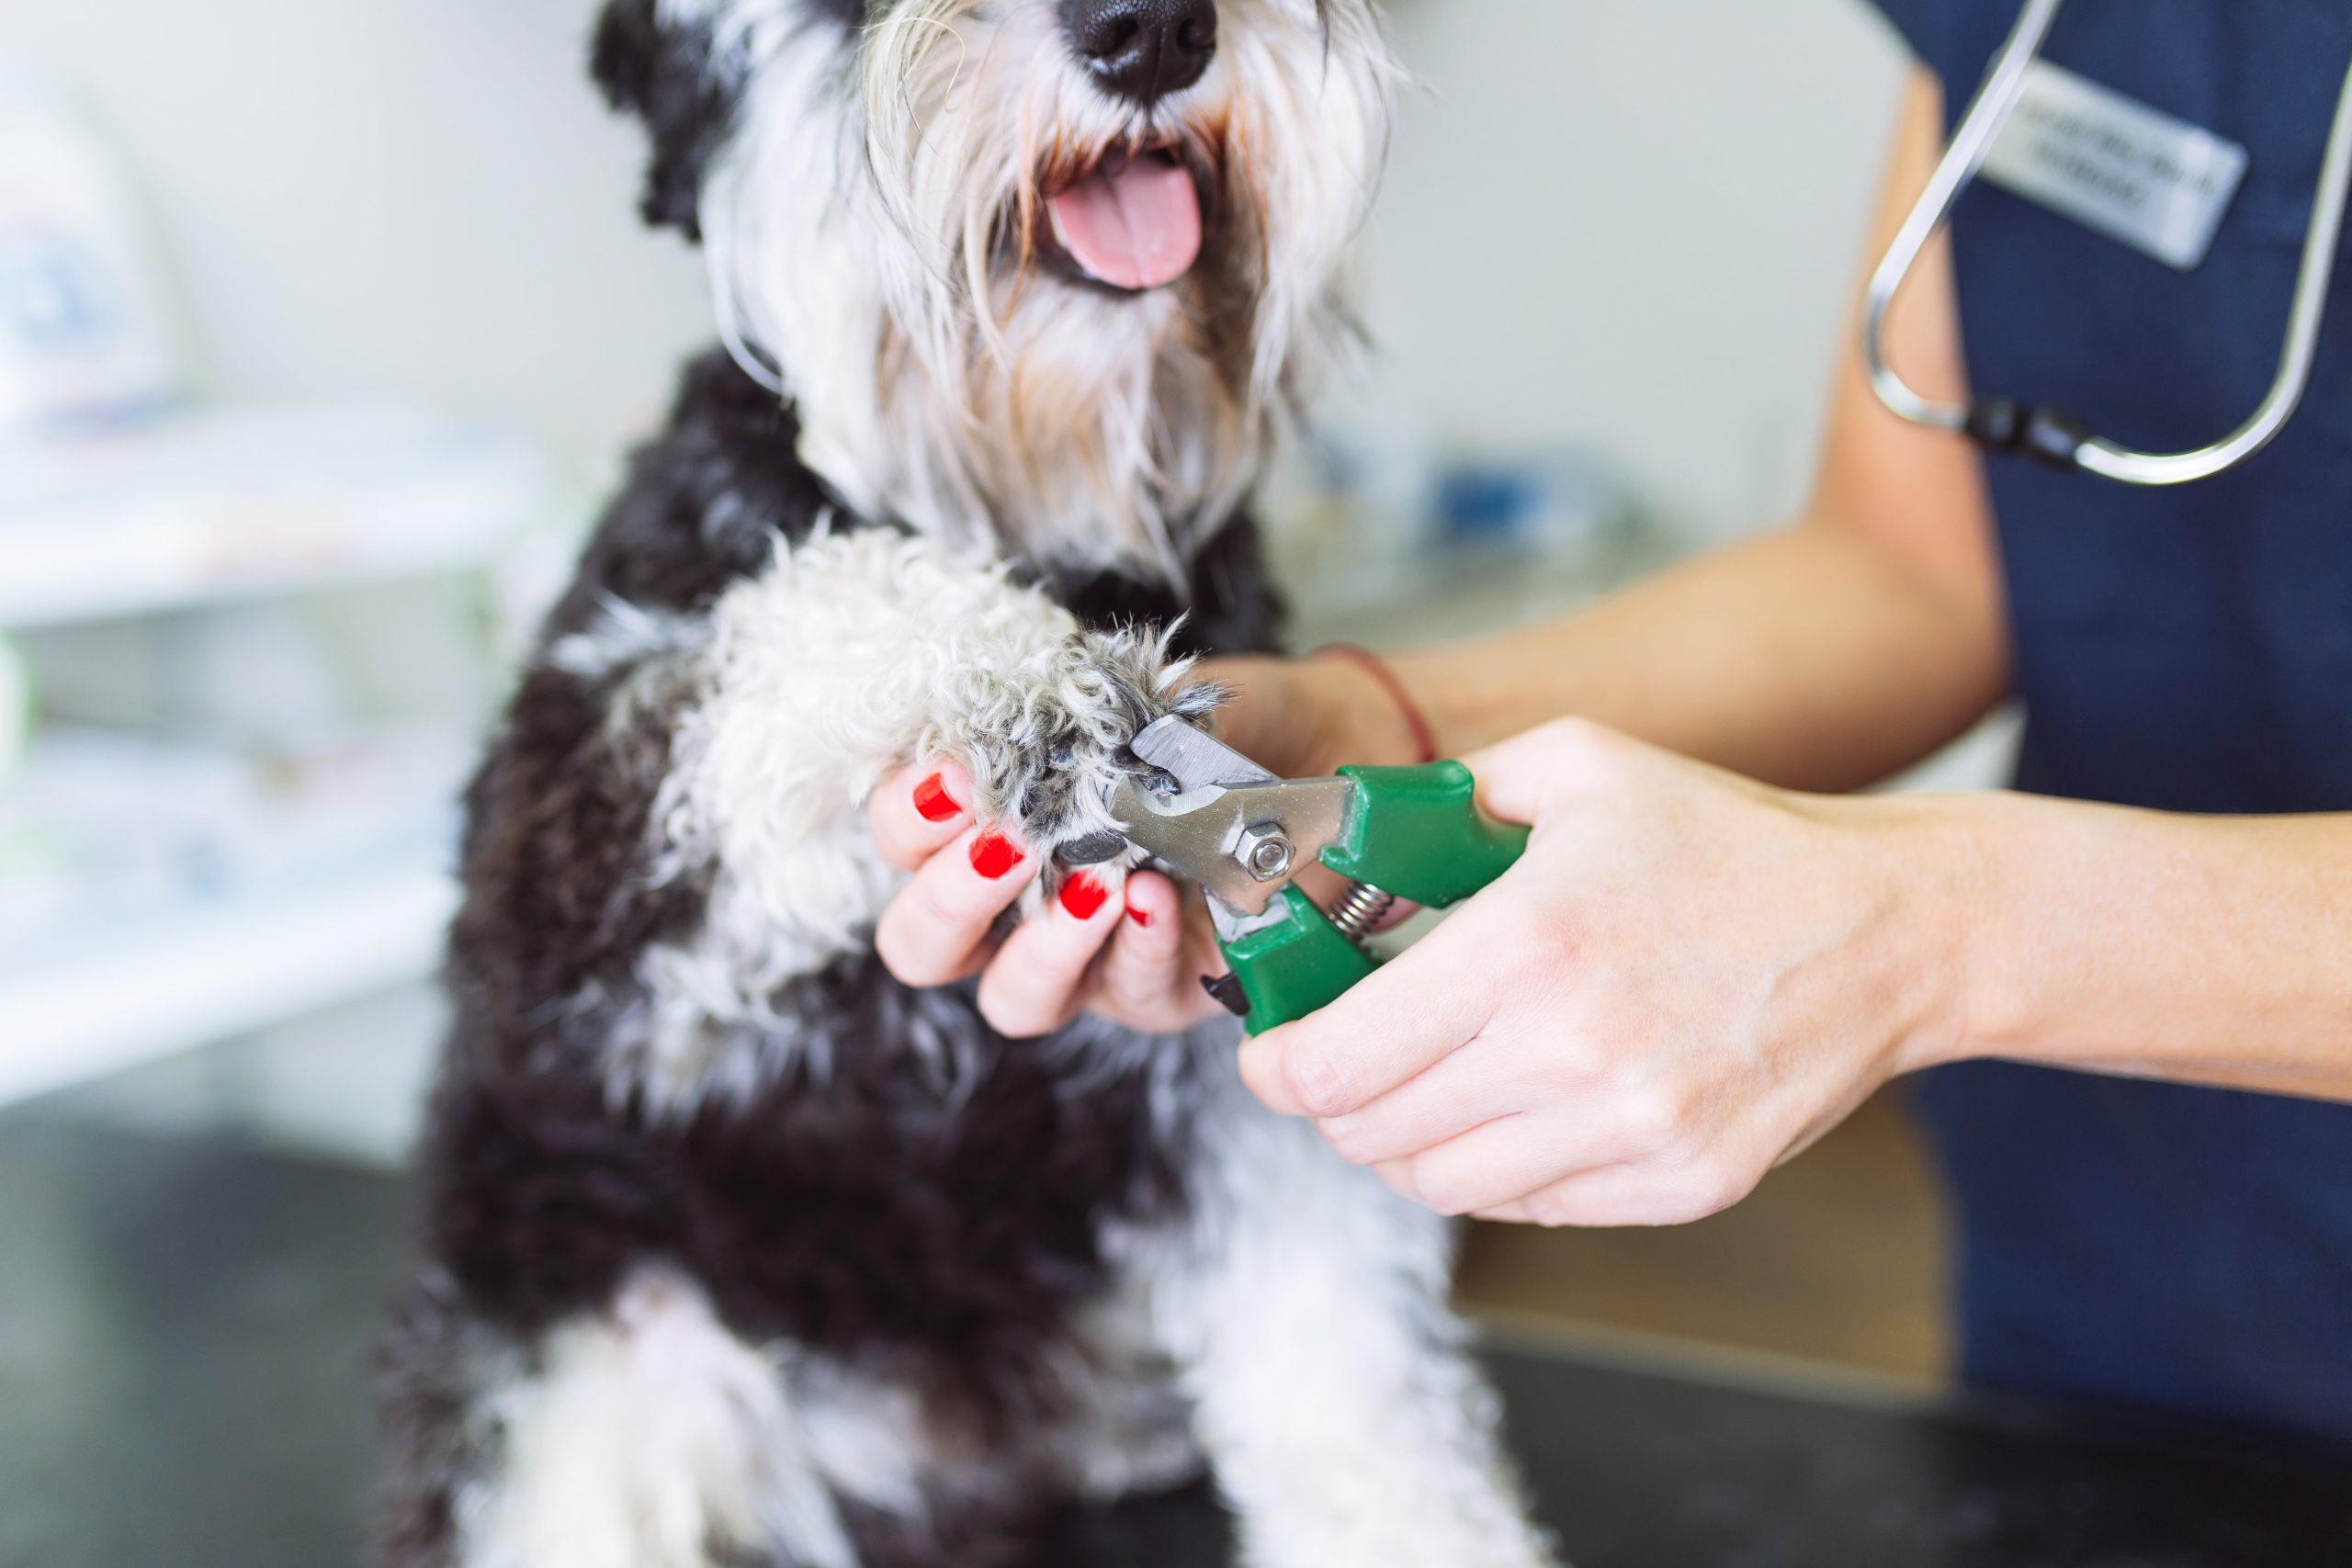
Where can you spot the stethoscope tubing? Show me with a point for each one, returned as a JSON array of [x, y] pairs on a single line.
[[2047, 435]]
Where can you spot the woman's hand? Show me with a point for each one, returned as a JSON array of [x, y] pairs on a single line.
[[1688, 979], [1117, 946], [1132, 951]]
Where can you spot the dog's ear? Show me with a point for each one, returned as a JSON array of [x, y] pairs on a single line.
[[669, 73]]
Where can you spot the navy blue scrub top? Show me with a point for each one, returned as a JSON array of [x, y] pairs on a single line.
[[2186, 649]]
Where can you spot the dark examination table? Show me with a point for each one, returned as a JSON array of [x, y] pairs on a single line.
[[184, 1331]]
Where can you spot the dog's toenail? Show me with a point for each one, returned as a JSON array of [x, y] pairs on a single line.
[[1095, 849]]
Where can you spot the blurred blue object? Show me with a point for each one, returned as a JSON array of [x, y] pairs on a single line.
[[1484, 504], [83, 336], [1546, 504]]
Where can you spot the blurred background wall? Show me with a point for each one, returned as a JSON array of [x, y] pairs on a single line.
[[424, 199], [1605, 291], [1630, 227], [1626, 226]]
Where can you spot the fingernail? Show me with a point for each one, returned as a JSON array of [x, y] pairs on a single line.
[[1140, 917], [935, 802], [1084, 895], [994, 855]]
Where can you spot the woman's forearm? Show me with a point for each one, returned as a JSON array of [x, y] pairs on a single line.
[[2214, 951], [1807, 659], [1826, 656]]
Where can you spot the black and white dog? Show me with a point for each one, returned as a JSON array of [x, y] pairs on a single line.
[[734, 1250]]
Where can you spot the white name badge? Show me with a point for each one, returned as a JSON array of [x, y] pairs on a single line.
[[2134, 174]]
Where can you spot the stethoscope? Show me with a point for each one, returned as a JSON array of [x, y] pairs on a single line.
[[2008, 428]]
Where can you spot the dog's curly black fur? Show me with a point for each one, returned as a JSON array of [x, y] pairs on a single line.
[[868, 1217], [731, 1250]]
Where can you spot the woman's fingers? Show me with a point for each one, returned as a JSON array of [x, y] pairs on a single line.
[[1651, 1193], [936, 930], [1126, 957], [1466, 1089], [1396, 1025], [1148, 979], [1037, 980], [1489, 1166], [919, 812]]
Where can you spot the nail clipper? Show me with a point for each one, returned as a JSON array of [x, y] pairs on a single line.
[[1211, 815]]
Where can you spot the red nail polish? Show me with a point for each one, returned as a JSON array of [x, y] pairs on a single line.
[[1140, 917], [932, 800], [1083, 896], [994, 855]]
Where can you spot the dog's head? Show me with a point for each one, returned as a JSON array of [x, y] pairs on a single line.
[[1048, 268]]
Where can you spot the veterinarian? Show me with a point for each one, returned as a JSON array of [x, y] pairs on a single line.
[[2127, 986]]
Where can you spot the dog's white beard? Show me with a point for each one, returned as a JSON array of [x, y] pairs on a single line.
[[857, 226]]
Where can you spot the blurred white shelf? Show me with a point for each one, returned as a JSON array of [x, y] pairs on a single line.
[[225, 504], [214, 970]]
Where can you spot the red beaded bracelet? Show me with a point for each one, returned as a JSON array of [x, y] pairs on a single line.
[[1372, 664]]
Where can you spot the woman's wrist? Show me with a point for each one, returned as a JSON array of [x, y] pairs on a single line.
[[2053, 916], [1308, 717], [1368, 716], [1403, 706], [1935, 860], [2105, 939]]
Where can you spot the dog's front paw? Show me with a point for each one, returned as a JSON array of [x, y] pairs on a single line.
[[1047, 751]]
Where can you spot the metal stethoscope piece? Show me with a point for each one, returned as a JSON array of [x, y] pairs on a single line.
[[2047, 435]]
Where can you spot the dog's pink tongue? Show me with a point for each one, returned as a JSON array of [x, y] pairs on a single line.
[[1139, 228]]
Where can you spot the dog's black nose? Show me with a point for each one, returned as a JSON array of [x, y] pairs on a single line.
[[1143, 50]]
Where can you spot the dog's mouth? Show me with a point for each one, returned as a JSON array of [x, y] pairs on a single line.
[[1132, 223]]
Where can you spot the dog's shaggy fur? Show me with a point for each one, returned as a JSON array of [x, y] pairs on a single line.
[[734, 1251]]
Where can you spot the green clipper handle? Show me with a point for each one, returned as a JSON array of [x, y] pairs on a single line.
[[1415, 832]]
